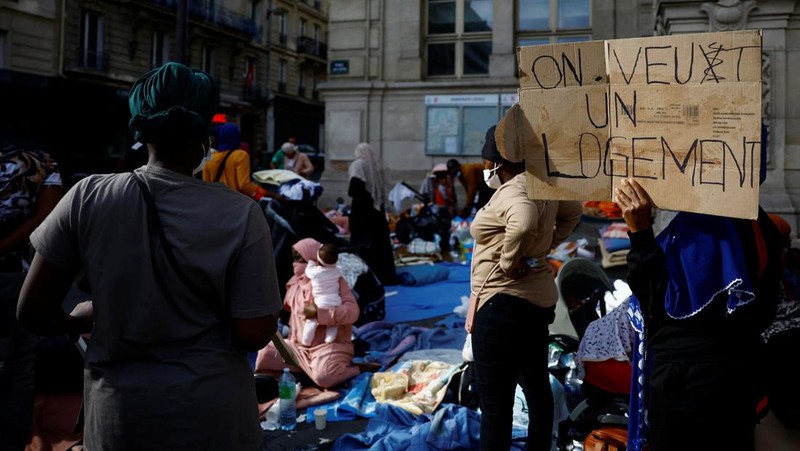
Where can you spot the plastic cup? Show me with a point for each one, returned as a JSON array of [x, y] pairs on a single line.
[[320, 418]]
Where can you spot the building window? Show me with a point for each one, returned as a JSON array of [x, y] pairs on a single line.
[[159, 51], [3, 49], [459, 37], [456, 125], [252, 7], [316, 34], [282, 37], [207, 61], [250, 86], [303, 27], [301, 84], [91, 51], [282, 76], [553, 21]]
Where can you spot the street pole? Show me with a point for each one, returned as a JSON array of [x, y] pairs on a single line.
[[270, 109], [180, 30]]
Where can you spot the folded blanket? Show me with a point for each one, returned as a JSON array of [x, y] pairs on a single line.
[[615, 230], [418, 275], [616, 244], [611, 259], [416, 386]]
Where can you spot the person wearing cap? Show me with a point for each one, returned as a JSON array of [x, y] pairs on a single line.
[[471, 177], [230, 164], [516, 299], [182, 277], [290, 159]]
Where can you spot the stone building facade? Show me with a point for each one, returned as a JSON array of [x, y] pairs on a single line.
[[421, 80], [66, 67]]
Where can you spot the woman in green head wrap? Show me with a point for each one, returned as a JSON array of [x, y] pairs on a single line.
[[183, 284], [171, 110]]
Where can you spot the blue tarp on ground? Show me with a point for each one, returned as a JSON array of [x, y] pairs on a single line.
[[388, 341], [428, 301], [451, 427]]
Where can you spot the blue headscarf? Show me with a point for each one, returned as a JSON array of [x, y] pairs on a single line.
[[704, 258], [229, 138]]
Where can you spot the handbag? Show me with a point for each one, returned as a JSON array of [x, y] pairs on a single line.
[[606, 439], [474, 301]]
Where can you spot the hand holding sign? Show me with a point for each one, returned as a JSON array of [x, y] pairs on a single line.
[[635, 204]]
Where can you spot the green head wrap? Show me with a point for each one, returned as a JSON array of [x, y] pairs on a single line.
[[173, 100]]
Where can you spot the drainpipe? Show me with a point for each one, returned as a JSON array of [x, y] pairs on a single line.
[[270, 108], [180, 30], [61, 24]]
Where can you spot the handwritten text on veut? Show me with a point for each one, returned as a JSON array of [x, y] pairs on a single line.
[[707, 159], [650, 65]]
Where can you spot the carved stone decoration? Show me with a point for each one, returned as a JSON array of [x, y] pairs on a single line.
[[661, 29], [728, 14], [766, 70]]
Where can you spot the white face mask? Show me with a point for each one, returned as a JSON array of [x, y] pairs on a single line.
[[491, 178], [206, 157]]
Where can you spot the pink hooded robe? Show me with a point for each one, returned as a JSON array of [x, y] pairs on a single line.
[[327, 364]]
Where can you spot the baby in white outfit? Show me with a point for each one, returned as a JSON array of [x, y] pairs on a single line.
[[324, 276]]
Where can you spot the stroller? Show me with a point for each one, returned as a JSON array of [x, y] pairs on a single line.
[[292, 221], [600, 398]]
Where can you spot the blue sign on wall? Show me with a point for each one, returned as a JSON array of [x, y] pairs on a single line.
[[340, 67]]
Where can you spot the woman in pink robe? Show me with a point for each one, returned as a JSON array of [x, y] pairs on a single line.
[[327, 364]]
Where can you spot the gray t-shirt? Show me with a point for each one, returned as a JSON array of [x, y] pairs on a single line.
[[157, 347]]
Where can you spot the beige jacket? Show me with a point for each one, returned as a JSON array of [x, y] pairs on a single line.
[[303, 165], [512, 227]]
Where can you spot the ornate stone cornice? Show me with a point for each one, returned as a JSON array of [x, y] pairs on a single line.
[[726, 15]]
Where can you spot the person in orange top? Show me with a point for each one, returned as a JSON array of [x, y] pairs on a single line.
[[231, 165], [471, 176]]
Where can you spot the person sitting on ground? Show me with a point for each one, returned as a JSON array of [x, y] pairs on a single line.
[[471, 177], [179, 294], [231, 165], [324, 276], [290, 159], [326, 364]]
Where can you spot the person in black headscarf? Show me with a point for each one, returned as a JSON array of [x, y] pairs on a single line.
[[179, 295]]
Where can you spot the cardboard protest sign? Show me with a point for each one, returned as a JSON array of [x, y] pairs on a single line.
[[681, 114]]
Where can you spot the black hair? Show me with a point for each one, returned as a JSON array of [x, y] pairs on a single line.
[[329, 253], [453, 164]]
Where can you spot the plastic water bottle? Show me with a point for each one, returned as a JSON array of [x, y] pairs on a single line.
[[454, 253], [572, 388], [287, 393]]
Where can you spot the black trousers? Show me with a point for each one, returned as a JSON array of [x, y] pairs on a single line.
[[703, 404], [509, 342]]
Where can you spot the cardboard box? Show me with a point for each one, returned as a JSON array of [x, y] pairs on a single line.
[[681, 114]]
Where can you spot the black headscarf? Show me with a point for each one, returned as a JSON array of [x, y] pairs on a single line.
[[490, 151]]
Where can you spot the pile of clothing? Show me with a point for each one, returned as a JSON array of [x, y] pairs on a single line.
[[614, 244]]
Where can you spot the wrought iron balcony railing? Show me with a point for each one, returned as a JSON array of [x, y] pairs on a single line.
[[214, 14], [311, 47]]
